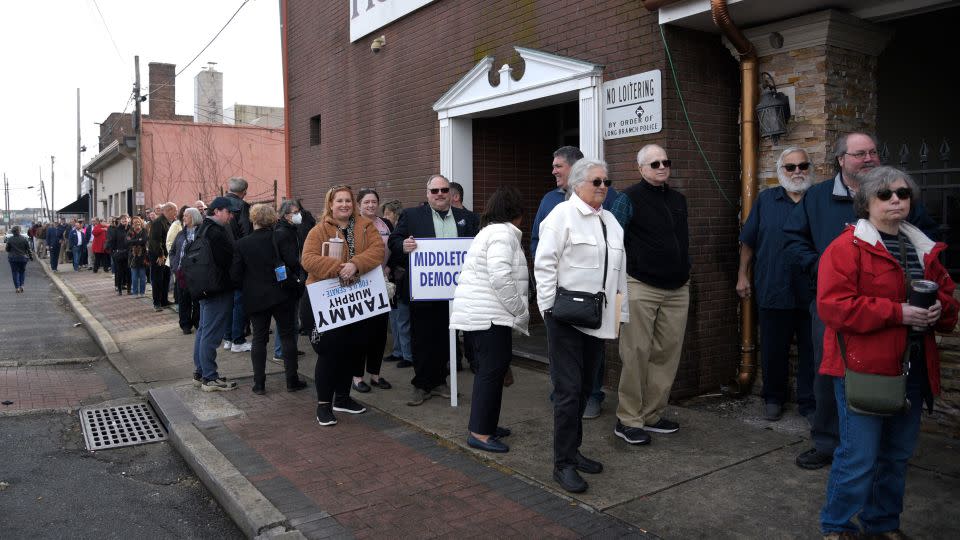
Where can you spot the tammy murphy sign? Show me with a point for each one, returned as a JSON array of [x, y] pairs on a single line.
[[369, 15]]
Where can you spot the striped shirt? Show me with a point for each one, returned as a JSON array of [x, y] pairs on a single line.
[[914, 268]]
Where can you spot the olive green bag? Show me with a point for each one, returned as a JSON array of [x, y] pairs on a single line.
[[877, 395]]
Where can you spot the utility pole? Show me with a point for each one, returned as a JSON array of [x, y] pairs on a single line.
[[79, 172], [137, 180], [53, 185], [6, 200]]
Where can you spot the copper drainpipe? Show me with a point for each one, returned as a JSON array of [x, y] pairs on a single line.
[[741, 384], [288, 182]]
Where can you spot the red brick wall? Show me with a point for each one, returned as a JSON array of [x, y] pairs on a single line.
[[378, 127], [163, 91]]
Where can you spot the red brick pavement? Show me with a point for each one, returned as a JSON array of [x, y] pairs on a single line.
[[371, 483], [115, 313], [50, 387]]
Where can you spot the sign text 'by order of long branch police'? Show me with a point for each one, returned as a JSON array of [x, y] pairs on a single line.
[[633, 105]]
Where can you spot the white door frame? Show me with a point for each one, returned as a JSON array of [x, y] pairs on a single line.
[[547, 79]]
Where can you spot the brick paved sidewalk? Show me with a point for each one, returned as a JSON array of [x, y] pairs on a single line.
[[118, 314], [372, 476], [50, 387]]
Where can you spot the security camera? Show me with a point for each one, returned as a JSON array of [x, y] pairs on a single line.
[[378, 44]]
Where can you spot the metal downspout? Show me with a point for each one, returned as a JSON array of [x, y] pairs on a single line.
[[741, 384]]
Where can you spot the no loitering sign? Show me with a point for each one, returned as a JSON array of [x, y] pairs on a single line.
[[633, 105]]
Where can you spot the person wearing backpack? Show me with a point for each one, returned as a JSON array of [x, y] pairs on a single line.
[[206, 266]]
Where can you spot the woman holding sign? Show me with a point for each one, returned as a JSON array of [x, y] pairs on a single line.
[[491, 301], [343, 245], [579, 263]]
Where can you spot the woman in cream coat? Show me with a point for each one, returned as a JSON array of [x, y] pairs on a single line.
[[491, 301], [572, 254]]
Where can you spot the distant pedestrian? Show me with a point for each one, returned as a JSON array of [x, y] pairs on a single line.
[[54, 243], [137, 259], [101, 259], [76, 243], [188, 307], [18, 249], [120, 253]]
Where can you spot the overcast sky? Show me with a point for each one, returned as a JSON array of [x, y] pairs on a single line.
[[49, 48]]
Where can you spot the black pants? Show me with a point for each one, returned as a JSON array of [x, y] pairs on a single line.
[[466, 351], [121, 275], [493, 347], [375, 336], [160, 282], [573, 362], [338, 351], [284, 313], [777, 329], [54, 255], [188, 309], [101, 260], [825, 422], [430, 338]]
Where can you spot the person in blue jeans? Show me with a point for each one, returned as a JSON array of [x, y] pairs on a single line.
[[875, 327], [19, 253], [76, 244], [136, 247]]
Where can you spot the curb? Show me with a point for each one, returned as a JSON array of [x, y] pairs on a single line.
[[256, 516], [94, 328]]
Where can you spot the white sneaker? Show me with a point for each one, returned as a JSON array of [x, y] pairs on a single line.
[[227, 344], [243, 347], [218, 385], [277, 361]]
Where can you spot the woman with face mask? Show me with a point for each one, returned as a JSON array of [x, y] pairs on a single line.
[[286, 233]]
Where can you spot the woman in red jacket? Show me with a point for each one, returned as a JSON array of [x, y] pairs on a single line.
[[101, 258], [861, 297]]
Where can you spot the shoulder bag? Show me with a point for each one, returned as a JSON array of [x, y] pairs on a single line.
[[581, 308], [879, 395]]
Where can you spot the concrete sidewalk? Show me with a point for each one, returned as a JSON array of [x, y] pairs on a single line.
[[401, 471]]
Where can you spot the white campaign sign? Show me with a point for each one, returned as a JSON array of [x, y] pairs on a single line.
[[633, 105], [435, 267], [335, 306], [369, 15]]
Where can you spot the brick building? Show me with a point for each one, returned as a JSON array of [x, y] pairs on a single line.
[[485, 91]]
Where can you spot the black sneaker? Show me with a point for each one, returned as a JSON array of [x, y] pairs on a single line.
[[814, 459], [325, 415], [361, 387], [404, 364], [663, 426], [197, 380], [632, 435], [348, 405]]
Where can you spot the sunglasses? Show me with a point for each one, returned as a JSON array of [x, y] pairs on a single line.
[[605, 181], [903, 193], [436, 190], [663, 162], [790, 167]]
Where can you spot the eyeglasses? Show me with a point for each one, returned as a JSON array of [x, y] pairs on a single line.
[[436, 190], [790, 167], [903, 193], [663, 162], [605, 181], [863, 154]]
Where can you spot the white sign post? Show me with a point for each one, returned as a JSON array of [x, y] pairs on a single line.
[[335, 306], [434, 272], [633, 105]]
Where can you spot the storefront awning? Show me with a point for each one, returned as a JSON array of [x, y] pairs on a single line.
[[79, 206]]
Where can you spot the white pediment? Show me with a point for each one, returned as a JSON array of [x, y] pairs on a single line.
[[544, 75]]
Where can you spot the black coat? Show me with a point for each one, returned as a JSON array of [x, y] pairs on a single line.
[[254, 261], [240, 225], [418, 223], [308, 223], [288, 238]]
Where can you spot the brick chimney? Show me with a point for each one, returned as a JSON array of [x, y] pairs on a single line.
[[163, 91]]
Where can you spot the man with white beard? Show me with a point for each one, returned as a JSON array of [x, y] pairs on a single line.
[[783, 292]]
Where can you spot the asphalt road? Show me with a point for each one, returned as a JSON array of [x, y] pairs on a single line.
[[50, 485]]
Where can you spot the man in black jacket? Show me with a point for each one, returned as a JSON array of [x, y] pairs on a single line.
[[157, 255], [436, 219], [239, 226], [656, 241], [216, 309]]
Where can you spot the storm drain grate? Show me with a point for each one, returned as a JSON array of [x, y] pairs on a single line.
[[124, 425]]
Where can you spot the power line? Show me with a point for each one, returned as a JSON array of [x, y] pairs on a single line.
[[205, 47], [109, 33]]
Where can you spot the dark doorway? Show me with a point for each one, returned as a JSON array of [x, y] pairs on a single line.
[[517, 149], [918, 123]]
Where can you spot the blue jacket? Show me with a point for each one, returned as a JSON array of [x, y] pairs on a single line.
[[74, 241], [823, 213], [54, 235], [550, 201]]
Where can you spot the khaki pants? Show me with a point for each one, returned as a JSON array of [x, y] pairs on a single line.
[[650, 346]]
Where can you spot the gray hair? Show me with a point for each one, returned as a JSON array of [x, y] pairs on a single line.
[[394, 206], [169, 204], [642, 154], [236, 185], [286, 205], [578, 173], [431, 177], [195, 216], [878, 179], [841, 148], [570, 154], [787, 151]]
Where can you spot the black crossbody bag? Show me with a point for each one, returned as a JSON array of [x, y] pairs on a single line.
[[580, 308]]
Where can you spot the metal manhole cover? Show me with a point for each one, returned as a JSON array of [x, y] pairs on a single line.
[[124, 425]]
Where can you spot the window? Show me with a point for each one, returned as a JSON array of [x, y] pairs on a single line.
[[315, 130]]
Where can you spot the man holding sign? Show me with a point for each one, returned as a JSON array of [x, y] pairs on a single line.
[[429, 319]]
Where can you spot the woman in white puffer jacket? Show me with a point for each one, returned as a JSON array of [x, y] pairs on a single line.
[[491, 301]]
